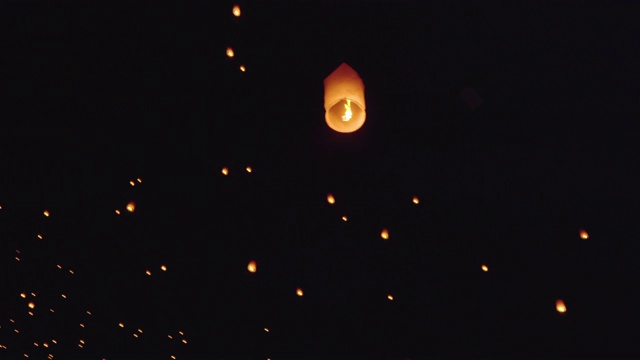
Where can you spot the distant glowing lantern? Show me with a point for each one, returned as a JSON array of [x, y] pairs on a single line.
[[344, 218], [583, 234], [560, 306], [390, 297], [236, 10], [344, 100], [131, 206], [46, 213], [299, 292], [243, 68], [230, 52], [415, 200], [331, 199], [225, 171], [148, 272], [163, 267], [485, 268], [249, 169], [252, 267], [384, 234], [31, 305]]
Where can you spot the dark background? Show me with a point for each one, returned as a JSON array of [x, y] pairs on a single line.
[[100, 93]]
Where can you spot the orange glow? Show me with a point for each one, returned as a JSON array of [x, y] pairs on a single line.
[[132, 183], [148, 272], [583, 234], [163, 267], [252, 267], [331, 199], [266, 330], [131, 206], [39, 236], [242, 68], [299, 292], [236, 10], [344, 218], [390, 297], [225, 171], [117, 211], [249, 170], [23, 295], [485, 268], [121, 325], [230, 53], [384, 234], [560, 306], [31, 305], [46, 213], [415, 200], [64, 296]]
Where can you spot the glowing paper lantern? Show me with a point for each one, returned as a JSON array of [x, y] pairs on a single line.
[[583, 234], [384, 234], [236, 10], [344, 100], [299, 292], [415, 200], [331, 199], [230, 52], [560, 306], [485, 268], [131, 206], [252, 267]]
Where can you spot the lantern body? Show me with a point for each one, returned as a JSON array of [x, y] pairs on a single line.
[[344, 100]]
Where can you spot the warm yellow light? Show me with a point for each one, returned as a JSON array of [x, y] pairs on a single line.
[[81, 325], [131, 206], [344, 218], [347, 111], [384, 234], [121, 325], [230, 53], [23, 295], [31, 305], [390, 297], [560, 306], [331, 199], [132, 183], [243, 68], [583, 234], [64, 296], [415, 200], [249, 169], [252, 267], [299, 292], [40, 236], [225, 171], [163, 267], [148, 272], [484, 268], [266, 329], [46, 213], [117, 211], [236, 10], [139, 180]]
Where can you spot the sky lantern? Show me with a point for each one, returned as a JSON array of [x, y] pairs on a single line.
[[331, 199], [236, 10], [230, 52], [299, 292], [225, 171], [344, 100], [252, 267], [384, 234], [583, 234], [484, 268], [560, 306], [243, 68], [415, 200], [131, 206]]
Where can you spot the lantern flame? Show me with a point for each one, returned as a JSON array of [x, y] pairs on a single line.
[[347, 111], [299, 292], [384, 234], [331, 199], [560, 306]]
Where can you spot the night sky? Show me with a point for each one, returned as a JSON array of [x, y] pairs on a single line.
[[110, 103]]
